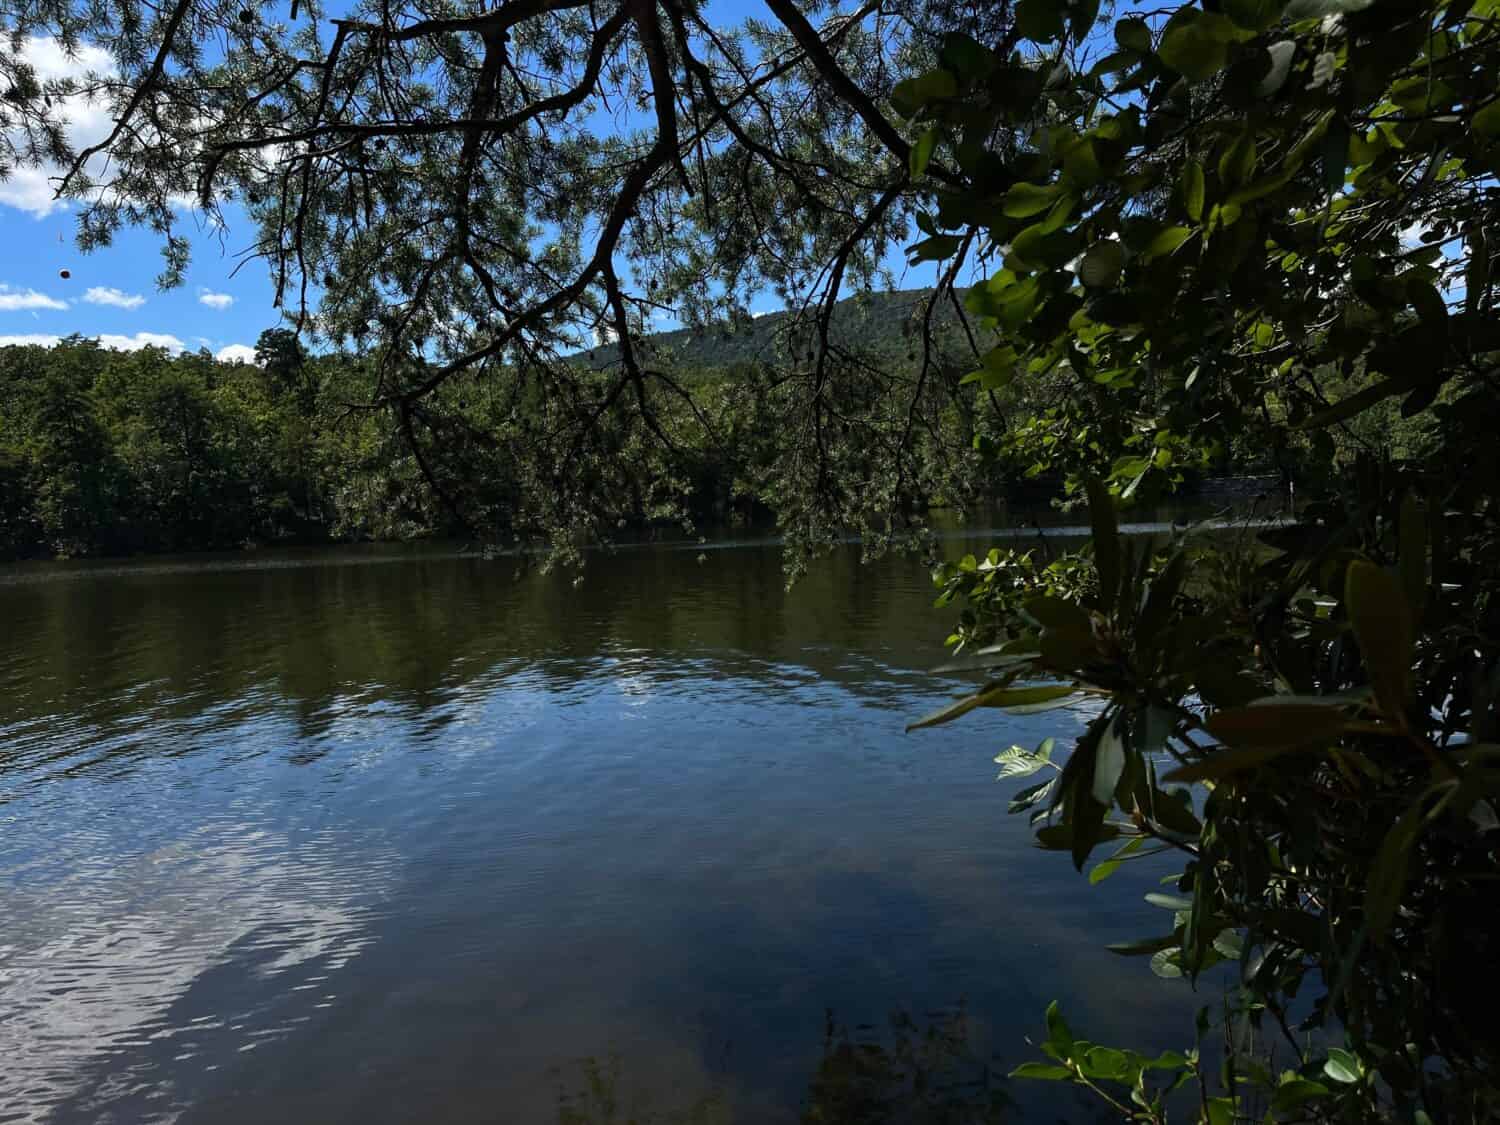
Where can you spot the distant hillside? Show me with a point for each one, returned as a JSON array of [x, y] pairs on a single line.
[[887, 323]]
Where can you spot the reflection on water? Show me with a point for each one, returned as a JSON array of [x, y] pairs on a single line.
[[385, 842]]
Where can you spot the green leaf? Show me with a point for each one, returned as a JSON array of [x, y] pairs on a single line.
[[1106, 540], [1061, 837], [1055, 613], [1156, 611], [1021, 762], [971, 60], [1486, 123], [1066, 649], [1133, 34], [1059, 1034], [921, 152], [1192, 189], [1109, 763], [1191, 47], [1230, 944], [1388, 872], [1020, 699], [1028, 696], [1081, 17], [999, 369], [1040, 20], [1167, 241], [1428, 302], [1102, 264], [909, 96], [1081, 162], [935, 249], [1169, 902], [1221, 1111], [1143, 946], [1226, 763], [1105, 1062], [1167, 964], [1317, 9], [1276, 725], [1030, 796], [1174, 812], [1383, 625], [1342, 1066], [1335, 156], [1102, 871], [1295, 1092], [1024, 200], [1237, 164], [1040, 246], [1253, 15], [1047, 1071], [1361, 401]]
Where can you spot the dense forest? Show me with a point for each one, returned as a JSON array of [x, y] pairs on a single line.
[[107, 452], [114, 453]]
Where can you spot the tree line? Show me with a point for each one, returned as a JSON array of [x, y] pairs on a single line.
[[114, 453]]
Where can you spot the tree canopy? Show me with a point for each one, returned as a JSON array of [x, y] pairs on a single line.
[[474, 193]]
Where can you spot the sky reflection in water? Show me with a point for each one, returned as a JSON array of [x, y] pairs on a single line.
[[332, 841]]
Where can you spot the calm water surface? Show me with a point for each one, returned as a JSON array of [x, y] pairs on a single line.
[[375, 836]]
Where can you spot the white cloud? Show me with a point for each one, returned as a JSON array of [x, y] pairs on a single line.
[[109, 295], [86, 122], [142, 340], [1411, 237], [47, 57], [235, 353], [38, 339], [17, 300], [220, 301], [110, 340]]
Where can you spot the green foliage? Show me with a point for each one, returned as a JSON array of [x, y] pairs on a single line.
[[112, 453], [1303, 202], [106, 452]]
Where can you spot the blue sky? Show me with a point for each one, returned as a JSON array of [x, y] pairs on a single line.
[[111, 293]]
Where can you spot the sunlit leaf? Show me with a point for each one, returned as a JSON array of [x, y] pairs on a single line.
[[1109, 763], [1192, 188], [921, 152], [1024, 200], [1048, 1071], [1342, 1065]]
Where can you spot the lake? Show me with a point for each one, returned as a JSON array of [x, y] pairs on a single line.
[[388, 834]]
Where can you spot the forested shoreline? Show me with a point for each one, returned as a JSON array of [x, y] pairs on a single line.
[[110, 453]]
